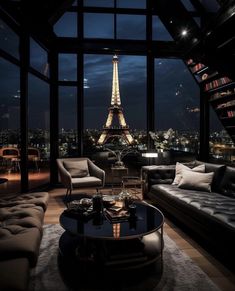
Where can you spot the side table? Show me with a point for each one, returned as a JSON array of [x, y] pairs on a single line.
[[117, 174], [133, 183]]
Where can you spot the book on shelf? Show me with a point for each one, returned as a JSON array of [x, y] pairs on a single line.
[[189, 61], [219, 95], [198, 67], [226, 104], [217, 83], [231, 113]]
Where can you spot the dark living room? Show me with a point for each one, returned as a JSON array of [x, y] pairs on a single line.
[[117, 145]]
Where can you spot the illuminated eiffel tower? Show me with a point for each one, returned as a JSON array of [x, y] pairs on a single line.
[[115, 111]]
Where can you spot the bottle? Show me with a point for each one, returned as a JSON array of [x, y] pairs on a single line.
[[97, 203]]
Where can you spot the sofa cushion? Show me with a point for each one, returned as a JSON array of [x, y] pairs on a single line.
[[25, 215], [218, 176], [208, 206], [180, 167], [159, 174], [228, 183], [36, 198], [77, 169], [17, 242], [14, 274], [86, 182], [196, 181]]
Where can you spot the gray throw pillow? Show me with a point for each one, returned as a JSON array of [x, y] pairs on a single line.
[[77, 169], [180, 167], [196, 181]]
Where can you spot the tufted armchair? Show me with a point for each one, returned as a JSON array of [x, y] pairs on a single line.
[[79, 173]]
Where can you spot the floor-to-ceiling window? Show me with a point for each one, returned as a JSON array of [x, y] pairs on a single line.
[[98, 74], [9, 126], [68, 107], [177, 112], [221, 146], [68, 140], [38, 132], [38, 116], [9, 111]]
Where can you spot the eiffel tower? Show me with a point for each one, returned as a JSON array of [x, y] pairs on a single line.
[[115, 111]]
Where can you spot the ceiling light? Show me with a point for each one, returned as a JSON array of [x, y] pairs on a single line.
[[184, 32]]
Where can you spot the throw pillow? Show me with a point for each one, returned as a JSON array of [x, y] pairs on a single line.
[[77, 169], [196, 181], [180, 167]]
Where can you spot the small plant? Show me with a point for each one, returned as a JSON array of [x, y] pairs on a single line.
[[120, 154]]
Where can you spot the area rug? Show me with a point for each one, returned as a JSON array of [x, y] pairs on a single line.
[[179, 272]]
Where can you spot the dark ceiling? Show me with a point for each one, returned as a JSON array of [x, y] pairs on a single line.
[[212, 43]]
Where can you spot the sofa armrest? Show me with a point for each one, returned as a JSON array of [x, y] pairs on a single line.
[[157, 175]]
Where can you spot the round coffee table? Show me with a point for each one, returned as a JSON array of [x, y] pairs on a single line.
[[129, 244]]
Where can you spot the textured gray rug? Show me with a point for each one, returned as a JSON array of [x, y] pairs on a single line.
[[179, 274]]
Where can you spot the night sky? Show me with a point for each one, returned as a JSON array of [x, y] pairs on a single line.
[[177, 93]]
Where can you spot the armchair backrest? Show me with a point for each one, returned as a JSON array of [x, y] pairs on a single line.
[[93, 170], [61, 167]]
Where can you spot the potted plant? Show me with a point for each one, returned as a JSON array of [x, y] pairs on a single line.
[[120, 154]]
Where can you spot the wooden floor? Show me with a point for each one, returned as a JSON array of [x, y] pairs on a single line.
[[219, 274]]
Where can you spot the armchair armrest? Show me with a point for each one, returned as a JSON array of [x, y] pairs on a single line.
[[65, 176], [157, 175], [96, 171]]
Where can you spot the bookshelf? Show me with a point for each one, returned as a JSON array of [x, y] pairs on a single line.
[[220, 91]]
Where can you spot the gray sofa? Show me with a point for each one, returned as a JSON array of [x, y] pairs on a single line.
[[21, 220], [209, 215]]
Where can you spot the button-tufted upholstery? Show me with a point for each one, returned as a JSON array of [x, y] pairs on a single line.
[[211, 215], [21, 219], [37, 198], [219, 207]]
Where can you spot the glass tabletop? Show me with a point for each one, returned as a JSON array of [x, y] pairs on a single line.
[[148, 219]]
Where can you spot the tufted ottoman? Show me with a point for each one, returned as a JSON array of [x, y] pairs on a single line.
[[21, 220]]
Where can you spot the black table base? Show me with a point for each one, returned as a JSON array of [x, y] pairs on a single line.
[[112, 254], [110, 265]]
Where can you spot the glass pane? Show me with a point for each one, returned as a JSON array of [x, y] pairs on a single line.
[[98, 25], [188, 5], [66, 26], [131, 4], [67, 67], [68, 139], [177, 112], [9, 127], [131, 26], [38, 132], [98, 71], [222, 148], [38, 58], [9, 40], [159, 30], [197, 20], [99, 3], [211, 5]]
